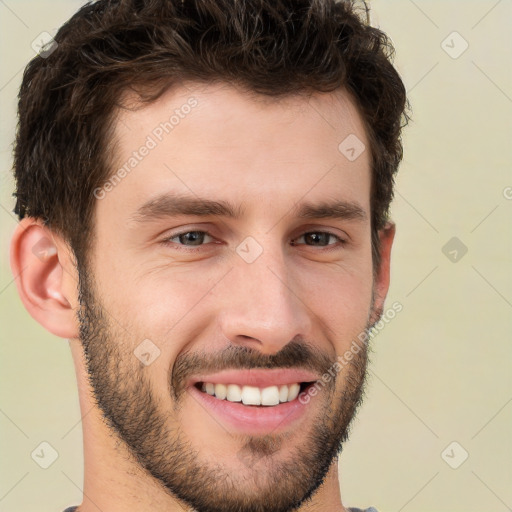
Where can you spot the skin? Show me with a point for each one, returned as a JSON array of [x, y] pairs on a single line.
[[266, 156]]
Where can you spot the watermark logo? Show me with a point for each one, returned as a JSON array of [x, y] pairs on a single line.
[[249, 250], [44, 248], [44, 45], [352, 147], [454, 455], [147, 352], [44, 455], [454, 249], [454, 45]]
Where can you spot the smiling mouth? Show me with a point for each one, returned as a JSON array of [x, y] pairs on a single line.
[[269, 396]]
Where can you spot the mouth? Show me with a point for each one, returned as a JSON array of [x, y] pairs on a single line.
[[254, 396], [255, 401]]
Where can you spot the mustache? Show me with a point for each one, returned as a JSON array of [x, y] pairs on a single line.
[[295, 354]]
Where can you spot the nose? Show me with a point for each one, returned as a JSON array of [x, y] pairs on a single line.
[[260, 307]]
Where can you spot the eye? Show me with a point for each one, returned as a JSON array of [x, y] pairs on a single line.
[[198, 238], [187, 238], [319, 239]]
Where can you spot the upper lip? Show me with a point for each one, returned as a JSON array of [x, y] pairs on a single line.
[[257, 377]]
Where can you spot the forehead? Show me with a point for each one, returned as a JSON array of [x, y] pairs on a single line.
[[224, 107], [218, 140]]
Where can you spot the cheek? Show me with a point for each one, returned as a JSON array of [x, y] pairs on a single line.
[[341, 301], [168, 307]]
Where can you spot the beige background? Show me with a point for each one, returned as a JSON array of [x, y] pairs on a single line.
[[441, 368]]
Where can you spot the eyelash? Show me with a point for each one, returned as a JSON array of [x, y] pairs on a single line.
[[167, 241]]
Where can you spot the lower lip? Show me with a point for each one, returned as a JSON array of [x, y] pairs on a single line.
[[252, 419]]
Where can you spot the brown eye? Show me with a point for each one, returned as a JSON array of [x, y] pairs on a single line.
[[319, 238]]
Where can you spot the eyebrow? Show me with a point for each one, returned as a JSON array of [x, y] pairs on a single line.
[[171, 205]]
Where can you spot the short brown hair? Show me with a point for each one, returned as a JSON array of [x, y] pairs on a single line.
[[270, 47]]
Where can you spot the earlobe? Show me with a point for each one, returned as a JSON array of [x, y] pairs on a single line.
[[38, 261]]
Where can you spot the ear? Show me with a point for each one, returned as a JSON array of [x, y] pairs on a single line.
[[381, 282], [46, 277]]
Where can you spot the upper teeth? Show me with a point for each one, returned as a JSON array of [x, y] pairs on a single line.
[[250, 395]]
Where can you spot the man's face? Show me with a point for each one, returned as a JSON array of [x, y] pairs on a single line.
[[177, 305]]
